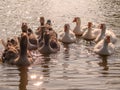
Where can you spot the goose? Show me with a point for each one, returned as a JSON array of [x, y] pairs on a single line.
[[48, 46], [32, 39], [11, 49], [21, 57], [24, 27], [48, 23], [54, 43], [67, 36], [88, 34], [48, 26], [104, 33], [77, 30], [42, 23], [10, 42], [104, 47], [9, 53], [32, 43]]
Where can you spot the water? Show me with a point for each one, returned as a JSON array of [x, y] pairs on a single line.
[[75, 67]]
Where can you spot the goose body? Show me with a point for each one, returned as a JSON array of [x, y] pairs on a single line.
[[67, 36], [88, 34], [104, 47], [47, 47]]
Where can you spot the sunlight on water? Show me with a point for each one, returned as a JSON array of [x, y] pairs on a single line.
[[75, 67]]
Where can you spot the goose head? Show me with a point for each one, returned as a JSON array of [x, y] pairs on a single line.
[[49, 25], [30, 31], [66, 28], [24, 27], [42, 20], [77, 20], [89, 25], [14, 42], [49, 22]]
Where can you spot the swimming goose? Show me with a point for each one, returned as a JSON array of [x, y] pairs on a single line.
[[67, 36], [24, 27], [48, 46], [48, 23], [104, 47], [32, 39], [32, 43], [42, 23], [9, 53], [40, 38], [88, 34], [54, 43], [10, 42], [77, 30], [48, 26], [21, 57], [104, 33]]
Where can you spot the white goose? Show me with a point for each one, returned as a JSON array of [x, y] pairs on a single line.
[[88, 34], [104, 47], [104, 33], [77, 30], [67, 36]]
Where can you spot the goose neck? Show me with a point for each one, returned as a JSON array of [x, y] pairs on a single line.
[[23, 50], [105, 45]]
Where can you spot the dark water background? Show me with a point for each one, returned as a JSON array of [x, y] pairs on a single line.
[[75, 67]]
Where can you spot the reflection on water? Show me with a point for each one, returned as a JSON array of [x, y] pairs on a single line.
[[45, 66], [75, 67], [104, 63], [23, 78]]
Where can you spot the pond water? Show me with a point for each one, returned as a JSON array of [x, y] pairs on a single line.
[[75, 67]]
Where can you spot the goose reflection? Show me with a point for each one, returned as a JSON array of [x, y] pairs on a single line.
[[104, 63], [45, 65], [65, 64], [23, 78], [66, 48], [35, 79]]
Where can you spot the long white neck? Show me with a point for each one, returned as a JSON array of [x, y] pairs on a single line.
[[105, 45], [89, 30], [78, 24]]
